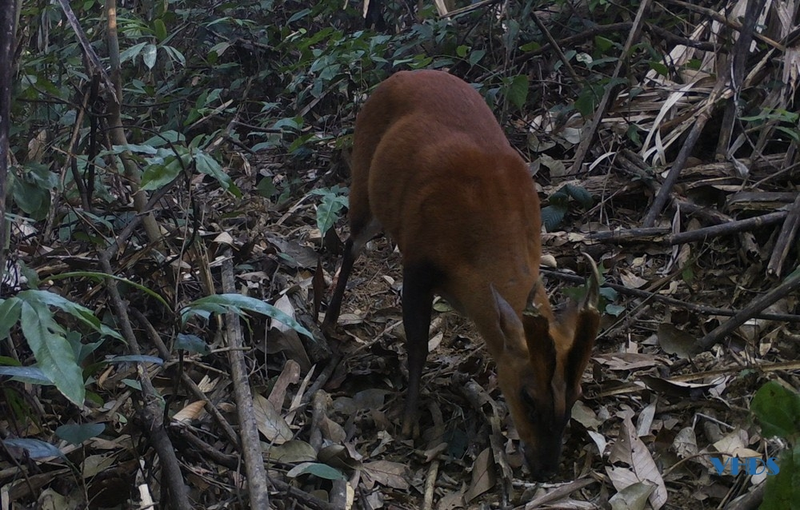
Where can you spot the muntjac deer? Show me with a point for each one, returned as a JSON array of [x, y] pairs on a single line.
[[432, 166]]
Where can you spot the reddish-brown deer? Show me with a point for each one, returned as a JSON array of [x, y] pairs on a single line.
[[432, 167]]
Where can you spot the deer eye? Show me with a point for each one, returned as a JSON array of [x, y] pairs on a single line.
[[530, 404]]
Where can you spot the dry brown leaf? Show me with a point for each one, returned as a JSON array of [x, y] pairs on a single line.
[[626, 360], [631, 281], [387, 473], [291, 452], [289, 375], [189, 412], [586, 416], [482, 476], [685, 443], [270, 423], [632, 497], [452, 501], [632, 451], [676, 341], [332, 431], [735, 445], [224, 238]]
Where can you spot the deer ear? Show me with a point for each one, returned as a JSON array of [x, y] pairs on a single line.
[[587, 322], [541, 348], [508, 322]]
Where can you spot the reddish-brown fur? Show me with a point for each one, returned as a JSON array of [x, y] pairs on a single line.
[[432, 166]]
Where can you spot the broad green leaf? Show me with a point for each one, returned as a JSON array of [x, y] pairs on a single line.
[[603, 44], [36, 449], [777, 409], [160, 29], [580, 194], [80, 312], [77, 434], [299, 15], [209, 166], [175, 55], [517, 92], [476, 56], [149, 55], [32, 199], [220, 48], [317, 469], [783, 490], [29, 375], [191, 343], [9, 315], [135, 148], [221, 303], [131, 52], [328, 211], [552, 216], [156, 176], [55, 357]]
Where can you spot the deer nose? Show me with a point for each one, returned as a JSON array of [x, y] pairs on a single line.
[[543, 462]]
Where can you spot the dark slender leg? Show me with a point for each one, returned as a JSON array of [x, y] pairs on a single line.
[[418, 285], [335, 305]]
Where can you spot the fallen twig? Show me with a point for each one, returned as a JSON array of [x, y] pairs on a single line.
[[789, 286], [662, 237], [708, 310], [785, 240], [187, 381], [251, 446], [150, 418]]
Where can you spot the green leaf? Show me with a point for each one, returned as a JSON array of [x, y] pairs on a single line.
[[160, 29], [552, 216], [32, 199], [191, 343], [777, 409], [149, 55], [603, 44], [131, 52], [209, 166], [476, 56], [608, 293], [580, 194], [28, 375], [585, 104], [175, 55], [95, 275], [328, 211], [317, 469], [136, 358], [36, 449], [299, 15], [156, 176], [517, 92], [80, 312], [659, 68], [55, 357], [221, 303], [266, 188], [77, 434], [783, 490], [9, 315], [531, 46]]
